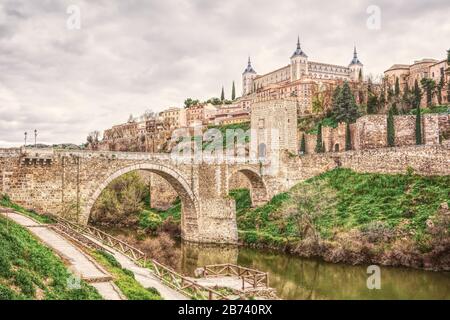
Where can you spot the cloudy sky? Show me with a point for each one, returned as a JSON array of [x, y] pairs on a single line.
[[129, 56]]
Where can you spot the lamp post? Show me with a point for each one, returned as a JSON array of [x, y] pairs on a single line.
[[25, 138], [35, 135]]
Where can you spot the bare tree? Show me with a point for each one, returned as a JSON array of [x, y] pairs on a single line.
[[149, 114], [93, 139]]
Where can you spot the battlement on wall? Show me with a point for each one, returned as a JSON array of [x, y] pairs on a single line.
[[370, 132]]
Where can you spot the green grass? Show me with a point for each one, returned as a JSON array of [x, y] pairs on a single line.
[[6, 202], [433, 109], [124, 278], [342, 200], [29, 270]]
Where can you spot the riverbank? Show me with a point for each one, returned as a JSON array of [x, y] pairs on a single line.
[[340, 216], [347, 217]]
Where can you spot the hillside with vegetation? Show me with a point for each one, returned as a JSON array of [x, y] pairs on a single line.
[[31, 271], [343, 216]]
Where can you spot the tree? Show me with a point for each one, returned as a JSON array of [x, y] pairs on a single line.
[[148, 114], [222, 95], [417, 95], [303, 144], [394, 109], [93, 139], [428, 85], [130, 118], [397, 87], [233, 92], [319, 143], [390, 128], [372, 104], [348, 138], [439, 88], [214, 101], [344, 108], [407, 98], [418, 125], [190, 102], [391, 94], [382, 99], [372, 99]]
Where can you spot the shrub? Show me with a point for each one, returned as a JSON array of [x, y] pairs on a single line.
[[6, 293], [150, 221]]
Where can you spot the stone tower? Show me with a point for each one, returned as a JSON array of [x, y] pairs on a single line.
[[356, 67], [274, 128], [247, 79], [299, 63]]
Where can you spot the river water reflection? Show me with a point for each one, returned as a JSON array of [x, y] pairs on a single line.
[[299, 278]]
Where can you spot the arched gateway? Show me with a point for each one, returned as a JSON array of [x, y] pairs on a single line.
[[258, 189], [189, 203]]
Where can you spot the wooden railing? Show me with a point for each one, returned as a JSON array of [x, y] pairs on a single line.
[[167, 275], [105, 238], [254, 278], [185, 285]]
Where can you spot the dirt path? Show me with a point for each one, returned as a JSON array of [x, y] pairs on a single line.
[[143, 275], [79, 263]]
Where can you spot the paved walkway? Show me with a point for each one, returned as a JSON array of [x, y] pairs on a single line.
[[143, 275], [79, 263]]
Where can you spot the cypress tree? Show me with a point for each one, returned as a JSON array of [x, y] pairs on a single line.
[[344, 108], [418, 126], [394, 109], [233, 92], [440, 86], [348, 138], [319, 143], [372, 100], [397, 87], [222, 95], [390, 129], [417, 95], [303, 144]]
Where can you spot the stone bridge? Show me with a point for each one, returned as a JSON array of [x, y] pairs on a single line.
[[67, 183]]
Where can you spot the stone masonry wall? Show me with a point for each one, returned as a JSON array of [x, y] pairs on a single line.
[[370, 132], [424, 160]]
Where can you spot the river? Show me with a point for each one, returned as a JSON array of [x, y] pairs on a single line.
[[311, 279]]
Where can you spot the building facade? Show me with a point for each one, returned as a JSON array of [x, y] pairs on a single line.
[[300, 79], [407, 75]]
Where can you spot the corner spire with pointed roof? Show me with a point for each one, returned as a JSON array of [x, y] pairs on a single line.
[[249, 68], [299, 52], [355, 59]]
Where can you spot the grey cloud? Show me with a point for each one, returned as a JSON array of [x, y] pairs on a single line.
[[133, 55]]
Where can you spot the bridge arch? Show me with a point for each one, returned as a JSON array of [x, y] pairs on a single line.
[[258, 190], [189, 202]]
